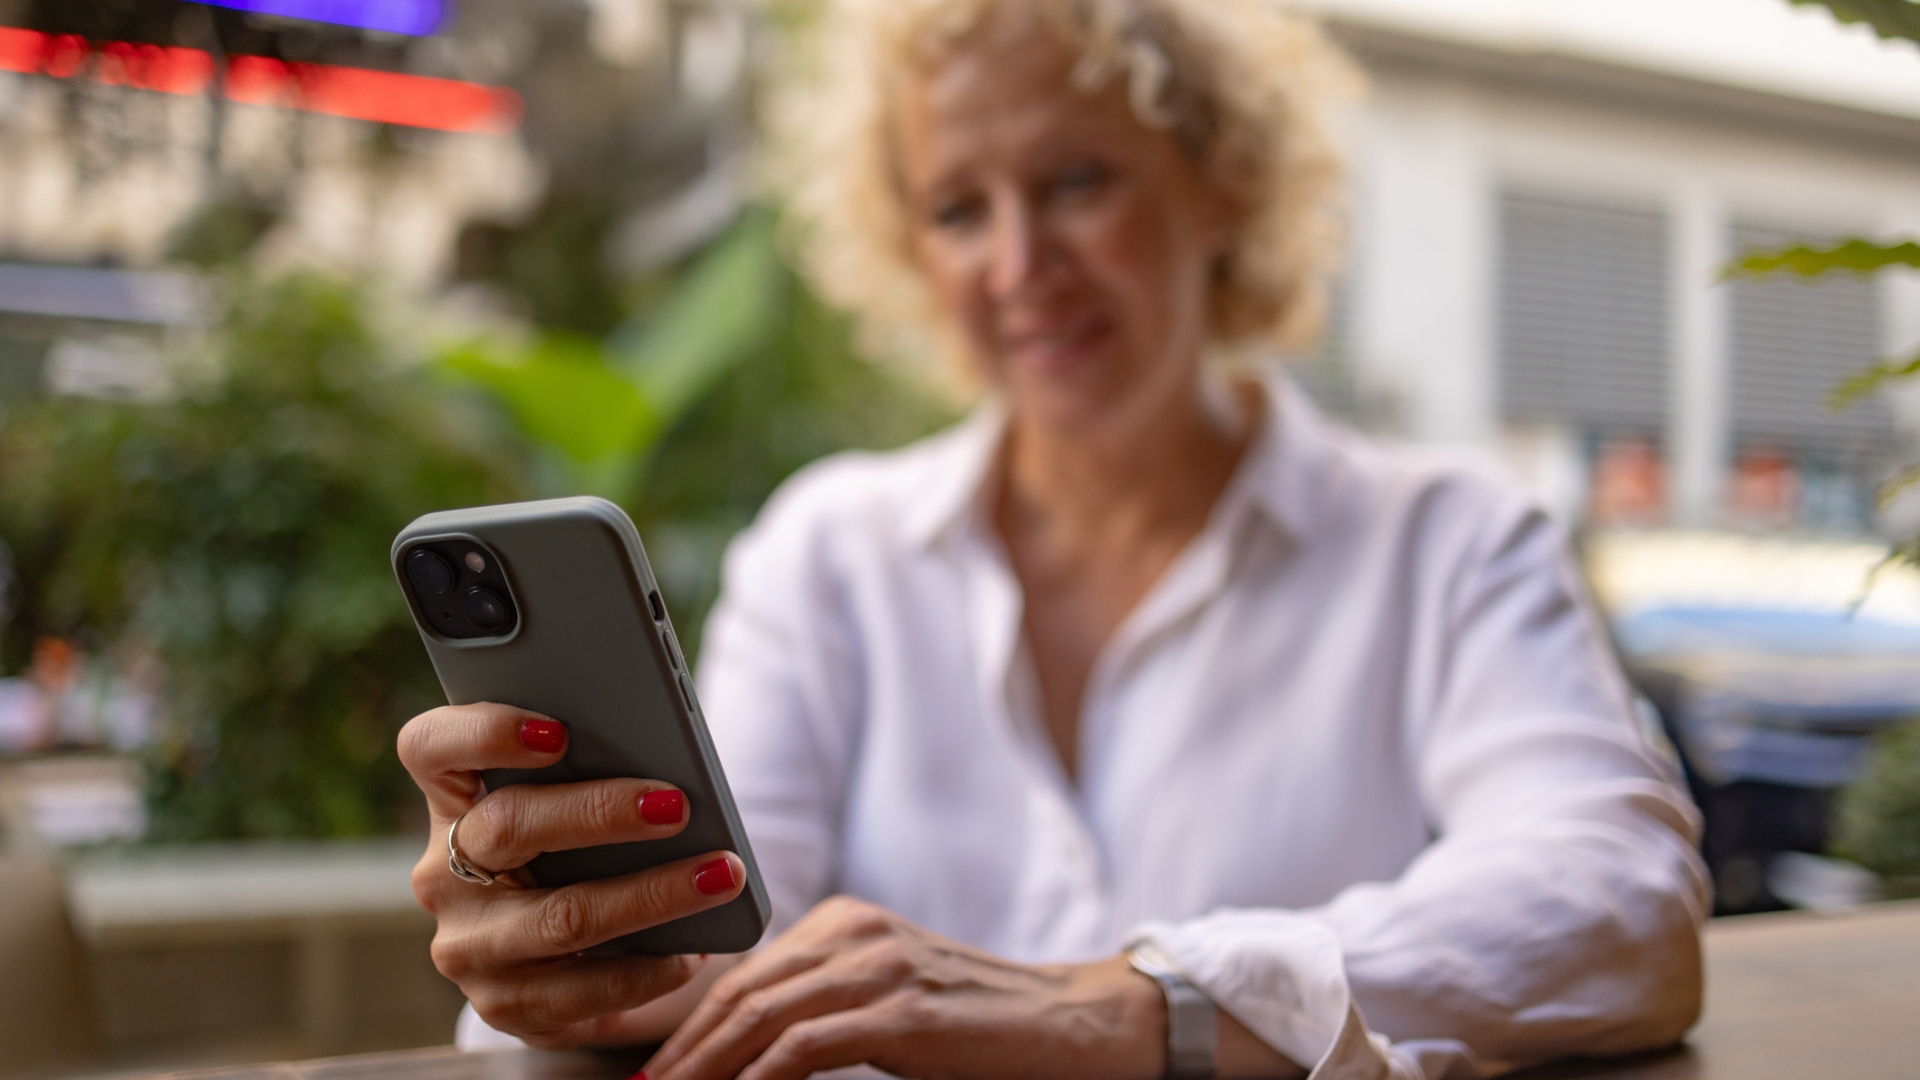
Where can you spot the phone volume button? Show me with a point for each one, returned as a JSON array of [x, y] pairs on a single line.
[[686, 690]]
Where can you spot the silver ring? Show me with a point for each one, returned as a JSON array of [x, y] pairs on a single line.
[[458, 863]]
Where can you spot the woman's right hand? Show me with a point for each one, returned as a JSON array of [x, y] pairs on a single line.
[[514, 949]]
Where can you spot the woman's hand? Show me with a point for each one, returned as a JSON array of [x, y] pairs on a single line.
[[852, 983], [512, 948]]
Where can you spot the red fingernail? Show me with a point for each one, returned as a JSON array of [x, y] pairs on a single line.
[[641, 1075], [663, 807], [714, 878], [544, 736]]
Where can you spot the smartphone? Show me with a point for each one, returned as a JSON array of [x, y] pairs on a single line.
[[551, 606]]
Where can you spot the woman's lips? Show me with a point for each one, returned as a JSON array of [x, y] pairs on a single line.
[[1060, 345]]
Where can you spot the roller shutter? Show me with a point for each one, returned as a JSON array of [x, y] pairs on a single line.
[[1792, 339], [1583, 313]]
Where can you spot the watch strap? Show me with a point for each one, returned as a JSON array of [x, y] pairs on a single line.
[[1192, 1017]]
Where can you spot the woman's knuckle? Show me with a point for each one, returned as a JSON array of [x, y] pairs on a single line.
[[866, 919], [539, 1010], [629, 982], [563, 920], [448, 959], [427, 880], [803, 1042], [842, 907], [497, 1005], [605, 808], [909, 1012], [501, 818], [728, 989], [556, 1039], [890, 957], [757, 1009], [413, 740], [656, 897], [454, 955]]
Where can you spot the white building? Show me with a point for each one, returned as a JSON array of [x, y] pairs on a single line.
[[1546, 193]]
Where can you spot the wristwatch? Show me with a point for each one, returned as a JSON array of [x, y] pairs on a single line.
[[1192, 1017]]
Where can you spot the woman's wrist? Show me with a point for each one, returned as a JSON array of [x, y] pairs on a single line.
[[1125, 1014], [1136, 1009]]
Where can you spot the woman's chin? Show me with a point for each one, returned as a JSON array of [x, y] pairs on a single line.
[[1078, 402]]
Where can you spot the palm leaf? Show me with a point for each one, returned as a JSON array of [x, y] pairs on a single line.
[[1855, 386], [1891, 19], [1856, 255]]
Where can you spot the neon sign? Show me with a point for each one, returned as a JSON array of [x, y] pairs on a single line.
[[414, 17], [384, 97]]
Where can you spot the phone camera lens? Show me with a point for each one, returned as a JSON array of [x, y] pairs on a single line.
[[485, 609], [429, 572]]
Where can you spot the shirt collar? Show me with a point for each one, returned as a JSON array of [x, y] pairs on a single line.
[[1283, 475]]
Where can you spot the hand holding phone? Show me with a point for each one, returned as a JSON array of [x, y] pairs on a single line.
[[515, 949], [575, 749]]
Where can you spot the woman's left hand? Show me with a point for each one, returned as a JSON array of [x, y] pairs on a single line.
[[852, 983]]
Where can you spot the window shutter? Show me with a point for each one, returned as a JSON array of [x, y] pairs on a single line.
[[1583, 314], [1793, 339]]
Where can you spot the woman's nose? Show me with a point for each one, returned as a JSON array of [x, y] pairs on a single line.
[[1015, 254]]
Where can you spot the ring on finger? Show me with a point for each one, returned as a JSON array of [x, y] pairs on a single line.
[[457, 860]]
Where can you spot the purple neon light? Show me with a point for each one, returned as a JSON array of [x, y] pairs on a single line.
[[416, 17]]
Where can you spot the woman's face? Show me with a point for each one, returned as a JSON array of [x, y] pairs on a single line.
[[1071, 246]]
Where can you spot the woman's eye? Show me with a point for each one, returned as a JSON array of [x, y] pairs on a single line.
[[957, 213], [1082, 179]]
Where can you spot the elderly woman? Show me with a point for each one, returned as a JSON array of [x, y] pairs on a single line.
[[1146, 723]]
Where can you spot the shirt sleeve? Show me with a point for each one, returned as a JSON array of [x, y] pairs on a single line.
[[1556, 912], [779, 681]]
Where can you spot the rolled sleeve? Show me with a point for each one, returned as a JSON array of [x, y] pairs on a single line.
[[1557, 911]]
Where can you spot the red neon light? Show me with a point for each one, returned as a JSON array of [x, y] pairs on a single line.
[[151, 67], [383, 97]]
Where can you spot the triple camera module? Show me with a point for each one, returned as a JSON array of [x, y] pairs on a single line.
[[460, 589]]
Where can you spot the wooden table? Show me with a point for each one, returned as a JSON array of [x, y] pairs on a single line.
[[1789, 997]]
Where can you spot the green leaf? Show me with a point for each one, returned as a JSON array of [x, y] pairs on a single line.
[[1891, 19], [1859, 384], [1859, 256], [1891, 490], [565, 395], [728, 307]]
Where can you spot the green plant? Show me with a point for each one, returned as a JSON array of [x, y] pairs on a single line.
[[240, 530], [803, 394], [1895, 20], [593, 409], [697, 405], [1889, 18], [1877, 821]]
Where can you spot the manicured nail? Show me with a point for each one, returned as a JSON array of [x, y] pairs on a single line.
[[641, 1075], [544, 736], [663, 807], [714, 878]]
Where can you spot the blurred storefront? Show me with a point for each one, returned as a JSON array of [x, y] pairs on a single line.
[[1547, 195]]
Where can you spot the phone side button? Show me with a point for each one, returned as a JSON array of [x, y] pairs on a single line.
[[673, 652], [686, 690]]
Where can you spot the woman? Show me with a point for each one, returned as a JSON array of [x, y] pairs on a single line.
[[1146, 724]]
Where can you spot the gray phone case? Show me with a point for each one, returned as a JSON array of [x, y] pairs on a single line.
[[588, 651]]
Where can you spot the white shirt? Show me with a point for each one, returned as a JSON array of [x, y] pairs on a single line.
[[1362, 752]]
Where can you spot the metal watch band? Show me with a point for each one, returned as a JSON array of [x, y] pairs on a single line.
[[1192, 1017]]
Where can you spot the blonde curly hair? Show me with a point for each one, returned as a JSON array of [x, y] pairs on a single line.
[[1242, 83]]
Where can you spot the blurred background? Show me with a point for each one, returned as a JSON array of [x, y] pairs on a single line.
[[276, 276]]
